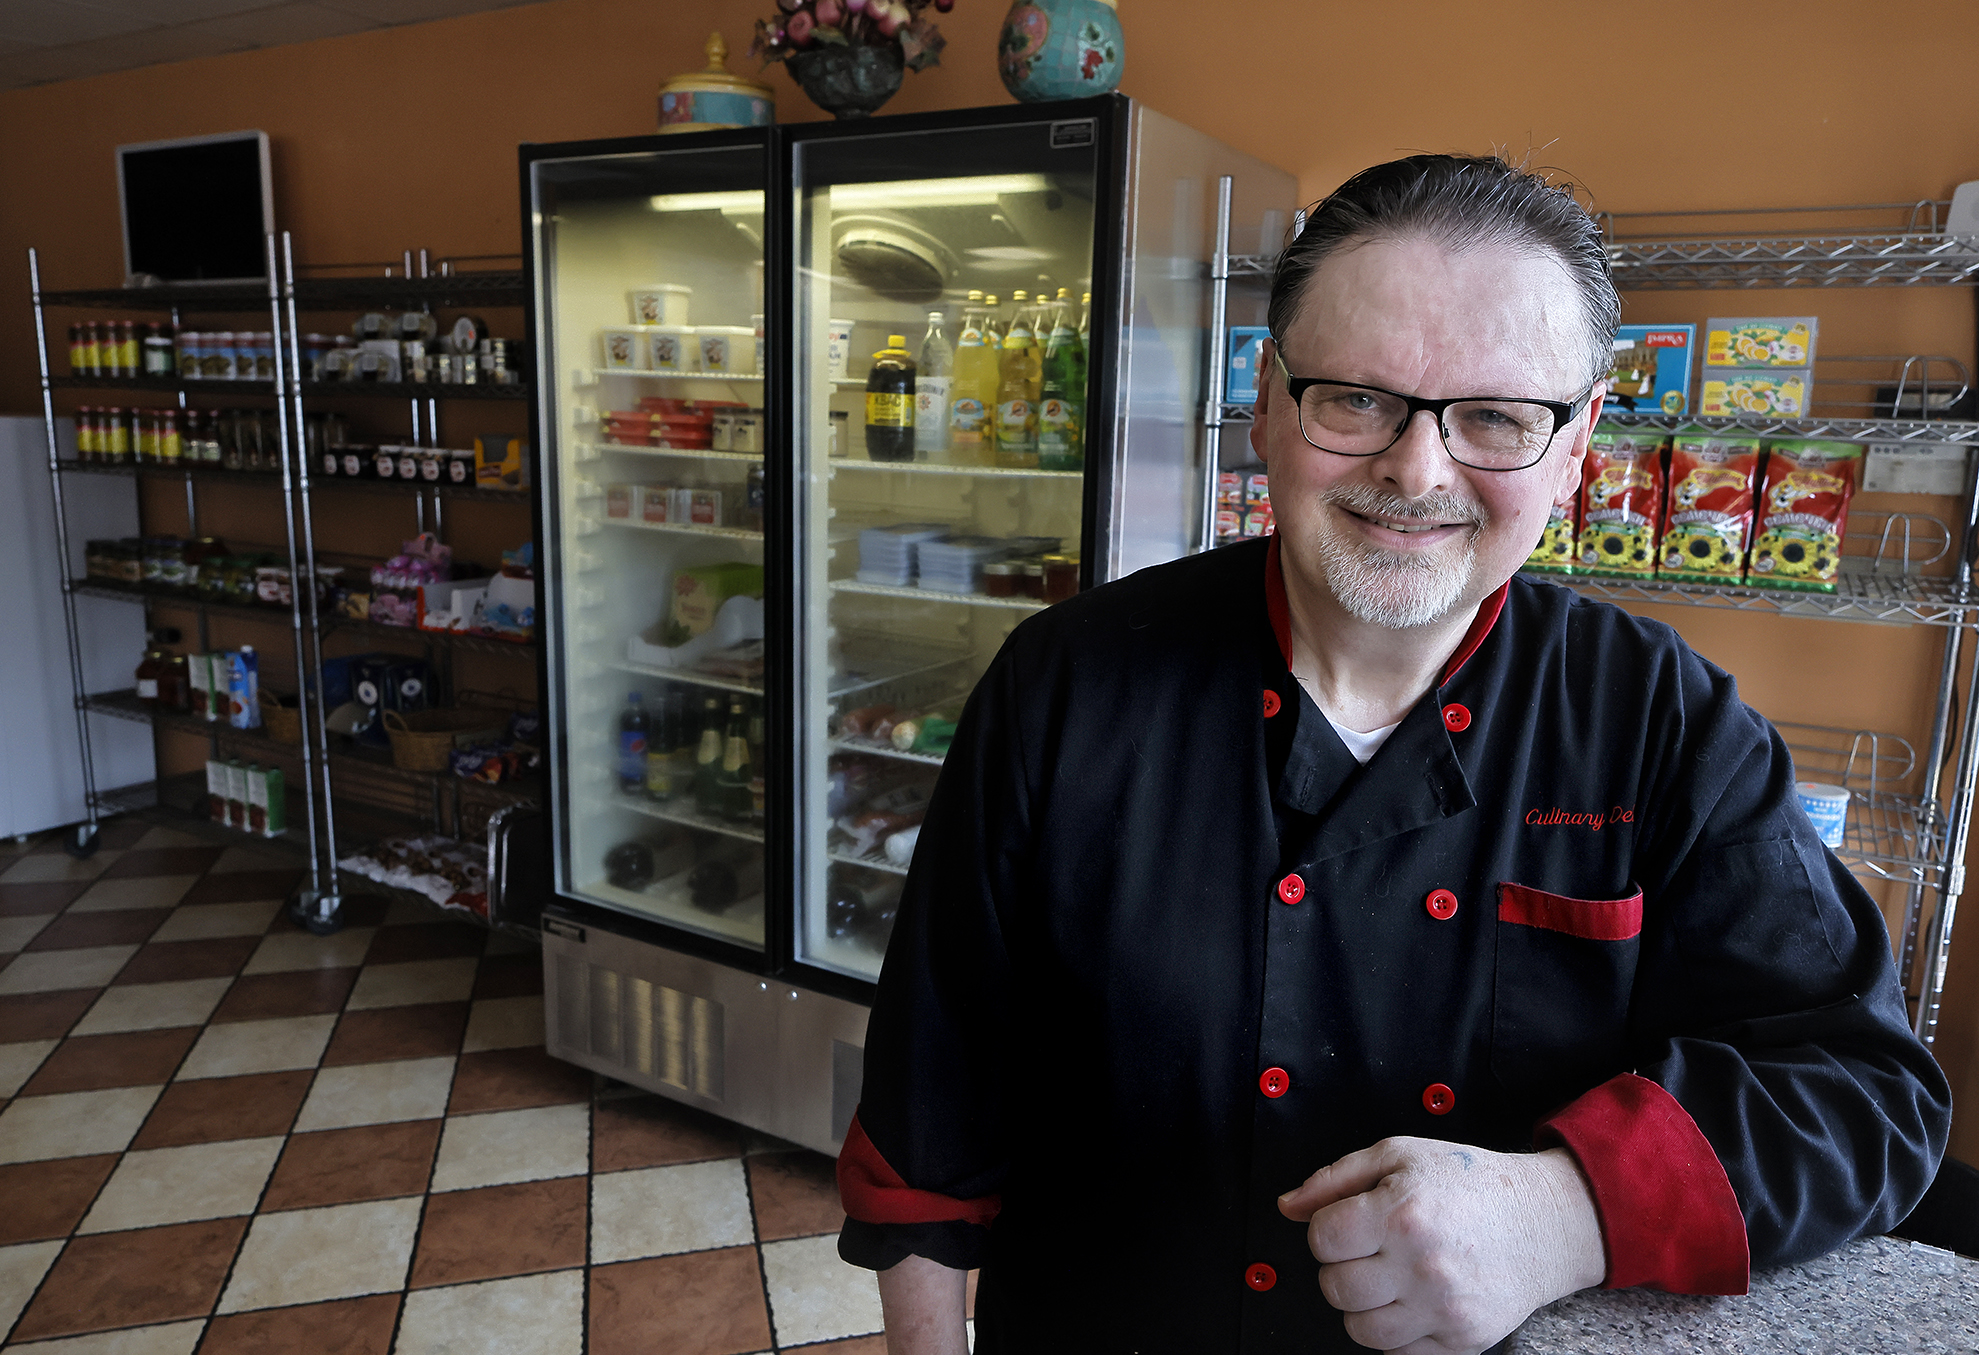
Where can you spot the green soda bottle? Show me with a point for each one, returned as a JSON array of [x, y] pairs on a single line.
[[1062, 402]]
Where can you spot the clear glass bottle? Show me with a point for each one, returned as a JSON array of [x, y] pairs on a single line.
[[932, 383]]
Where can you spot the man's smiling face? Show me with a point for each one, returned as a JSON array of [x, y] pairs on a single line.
[[1408, 536]]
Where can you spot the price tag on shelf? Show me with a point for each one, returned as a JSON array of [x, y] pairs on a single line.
[[1916, 468]]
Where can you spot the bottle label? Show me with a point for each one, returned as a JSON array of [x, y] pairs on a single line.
[[889, 409], [659, 774], [735, 755], [710, 750], [1058, 416], [966, 416], [930, 405], [147, 689], [632, 755], [1014, 416]]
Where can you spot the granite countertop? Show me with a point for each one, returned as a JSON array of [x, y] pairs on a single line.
[[1877, 1294]]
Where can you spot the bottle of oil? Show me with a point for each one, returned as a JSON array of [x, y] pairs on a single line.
[[890, 403], [1016, 399]]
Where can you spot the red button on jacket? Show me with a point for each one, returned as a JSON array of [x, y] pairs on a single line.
[[1260, 1277], [1271, 703], [1438, 1099], [1456, 718], [1291, 889], [1275, 1082], [1442, 904]]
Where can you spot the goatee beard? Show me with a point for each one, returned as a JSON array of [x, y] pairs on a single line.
[[1395, 589]]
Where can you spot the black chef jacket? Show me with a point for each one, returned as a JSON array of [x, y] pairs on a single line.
[[1166, 949]]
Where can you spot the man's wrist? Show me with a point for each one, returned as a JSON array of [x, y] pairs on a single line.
[[1580, 1252]]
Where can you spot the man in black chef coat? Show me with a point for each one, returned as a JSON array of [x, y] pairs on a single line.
[[1334, 939]]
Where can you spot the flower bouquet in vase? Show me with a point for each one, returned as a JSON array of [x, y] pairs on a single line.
[[849, 55]]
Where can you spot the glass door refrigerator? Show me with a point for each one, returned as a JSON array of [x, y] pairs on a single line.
[[827, 410]]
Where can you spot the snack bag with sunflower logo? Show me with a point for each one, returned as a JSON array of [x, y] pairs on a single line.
[[1555, 552], [1803, 513], [1621, 502], [1710, 511]]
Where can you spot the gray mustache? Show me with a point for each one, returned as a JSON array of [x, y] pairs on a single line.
[[1437, 507]]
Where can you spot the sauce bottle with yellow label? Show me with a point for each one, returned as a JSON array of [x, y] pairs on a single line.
[[890, 403]]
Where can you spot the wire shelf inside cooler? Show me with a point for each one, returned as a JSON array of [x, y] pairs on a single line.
[[867, 662], [670, 901]]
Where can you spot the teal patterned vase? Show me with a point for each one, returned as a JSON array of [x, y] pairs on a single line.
[[1060, 49]]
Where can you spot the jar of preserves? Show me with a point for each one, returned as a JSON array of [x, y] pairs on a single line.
[[460, 467], [130, 560], [1001, 578], [130, 358], [175, 684], [85, 433], [118, 434], [158, 352], [171, 562], [432, 465], [145, 436], [171, 444], [1031, 583], [149, 668], [78, 365], [1061, 576]]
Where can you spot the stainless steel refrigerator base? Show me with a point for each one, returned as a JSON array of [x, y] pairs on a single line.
[[763, 1053]]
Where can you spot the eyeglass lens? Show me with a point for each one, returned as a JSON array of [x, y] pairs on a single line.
[[1498, 434]]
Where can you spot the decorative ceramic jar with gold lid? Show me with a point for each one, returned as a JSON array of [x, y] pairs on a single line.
[[711, 98]]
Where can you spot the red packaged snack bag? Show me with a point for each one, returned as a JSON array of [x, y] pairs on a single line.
[[1803, 513], [1709, 518], [1621, 502]]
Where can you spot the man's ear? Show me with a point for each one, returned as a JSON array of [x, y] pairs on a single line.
[[1570, 468], [1267, 387]]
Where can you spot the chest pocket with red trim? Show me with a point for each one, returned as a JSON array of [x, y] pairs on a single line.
[[1565, 969]]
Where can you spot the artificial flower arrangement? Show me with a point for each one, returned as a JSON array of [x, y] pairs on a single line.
[[805, 25]]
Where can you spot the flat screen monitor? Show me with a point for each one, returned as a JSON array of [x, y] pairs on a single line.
[[197, 209]]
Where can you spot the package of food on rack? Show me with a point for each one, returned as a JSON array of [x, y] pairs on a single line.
[[272, 584], [1761, 341], [424, 559], [243, 688], [1651, 370], [619, 498], [1555, 552], [1782, 394], [1259, 522], [654, 504], [236, 778], [1803, 513], [216, 791], [1709, 518], [1229, 489], [1621, 502], [700, 590], [861, 723], [501, 462], [867, 827], [930, 733], [199, 686], [267, 807], [437, 867], [891, 555]]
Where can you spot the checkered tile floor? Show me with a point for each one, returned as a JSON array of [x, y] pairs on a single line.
[[222, 1134]]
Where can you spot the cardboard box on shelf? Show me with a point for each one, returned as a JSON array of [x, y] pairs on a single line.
[[501, 462], [1761, 342]]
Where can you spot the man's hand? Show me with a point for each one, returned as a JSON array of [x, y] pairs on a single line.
[[1433, 1248], [922, 1302]]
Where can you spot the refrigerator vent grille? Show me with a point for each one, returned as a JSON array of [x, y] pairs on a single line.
[[661, 1032]]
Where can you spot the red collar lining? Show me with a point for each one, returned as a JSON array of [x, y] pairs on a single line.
[[1281, 616]]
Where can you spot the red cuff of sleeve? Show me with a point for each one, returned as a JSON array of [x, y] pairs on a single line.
[[1669, 1219], [873, 1192]]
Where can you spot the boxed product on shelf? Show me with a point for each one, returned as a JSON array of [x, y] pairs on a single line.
[[1761, 342], [1555, 552], [1621, 502], [619, 501], [501, 462], [700, 591], [686, 430], [1709, 519], [243, 688], [1652, 368], [267, 807], [1780, 394], [1803, 513], [235, 775], [891, 554], [1246, 349]]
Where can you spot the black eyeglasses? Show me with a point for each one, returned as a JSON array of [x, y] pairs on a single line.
[[1484, 432]]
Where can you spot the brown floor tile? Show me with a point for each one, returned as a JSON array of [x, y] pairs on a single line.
[[212, 1109], [651, 1131], [426, 941], [170, 961], [163, 861], [424, 1030], [241, 886], [858, 1345], [302, 992], [344, 1327], [365, 910], [87, 1063], [48, 1199], [702, 1303], [98, 929], [502, 1230], [509, 976], [47, 896], [796, 1195], [43, 1016], [341, 1166], [114, 834], [132, 1279], [510, 1079]]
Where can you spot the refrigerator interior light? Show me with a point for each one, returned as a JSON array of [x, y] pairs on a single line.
[[729, 204], [982, 190]]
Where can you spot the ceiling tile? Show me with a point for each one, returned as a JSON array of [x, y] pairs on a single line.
[[298, 21], [417, 11], [124, 52], [50, 23], [177, 11]]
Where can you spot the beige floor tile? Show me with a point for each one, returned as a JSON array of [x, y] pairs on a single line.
[[250, 858], [45, 866], [287, 951], [153, 1006], [44, 971], [311, 1255], [73, 1124], [173, 1338], [170, 837], [259, 1046], [196, 922], [139, 891], [378, 1093], [18, 1062], [662, 1210], [513, 1145], [21, 1269], [814, 1296], [528, 1315], [505, 1023], [178, 1185], [400, 985], [16, 932]]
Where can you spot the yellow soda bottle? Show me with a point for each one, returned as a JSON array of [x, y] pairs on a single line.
[[972, 391], [1017, 399]]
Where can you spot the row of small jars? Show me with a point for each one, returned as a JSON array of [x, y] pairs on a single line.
[[229, 439]]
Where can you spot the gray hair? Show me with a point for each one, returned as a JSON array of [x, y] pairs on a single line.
[[1458, 201]]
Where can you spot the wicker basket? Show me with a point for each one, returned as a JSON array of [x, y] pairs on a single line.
[[422, 740], [281, 716]]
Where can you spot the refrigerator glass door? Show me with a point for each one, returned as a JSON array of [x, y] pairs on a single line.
[[941, 470], [650, 301]]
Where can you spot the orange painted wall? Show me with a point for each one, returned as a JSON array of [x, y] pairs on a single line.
[[406, 138]]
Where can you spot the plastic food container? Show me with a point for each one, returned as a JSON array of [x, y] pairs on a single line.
[[1827, 806], [672, 348], [729, 349], [838, 348], [625, 346], [660, 303]]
